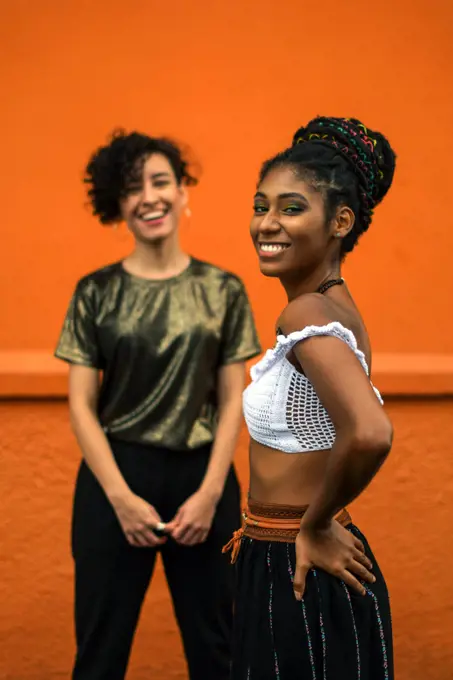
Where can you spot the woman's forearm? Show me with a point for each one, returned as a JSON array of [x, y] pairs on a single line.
[[222, 454], [352, 464], [97, 452]]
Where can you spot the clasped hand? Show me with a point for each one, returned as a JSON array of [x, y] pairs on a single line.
[[191, 524]]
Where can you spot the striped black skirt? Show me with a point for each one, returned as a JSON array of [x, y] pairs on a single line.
[[332, 634]]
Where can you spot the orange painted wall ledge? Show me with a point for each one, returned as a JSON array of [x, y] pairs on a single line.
[[39, 374]]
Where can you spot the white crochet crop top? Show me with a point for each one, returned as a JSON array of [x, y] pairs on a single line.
[[281, 407]]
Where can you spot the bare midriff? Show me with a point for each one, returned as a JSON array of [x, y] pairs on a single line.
[[285, 478]]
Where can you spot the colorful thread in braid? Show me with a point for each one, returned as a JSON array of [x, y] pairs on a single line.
[[354, 137], [350, 164], [351, 140]]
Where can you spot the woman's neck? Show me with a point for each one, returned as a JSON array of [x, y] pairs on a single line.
[[297, 286], [157, 260]]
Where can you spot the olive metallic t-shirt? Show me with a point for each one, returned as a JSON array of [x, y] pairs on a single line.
[[159, 345]]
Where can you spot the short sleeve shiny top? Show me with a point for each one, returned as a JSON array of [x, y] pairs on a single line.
[[159, 345]]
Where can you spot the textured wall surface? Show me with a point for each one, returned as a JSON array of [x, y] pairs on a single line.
[[406, 514], [234, 83]]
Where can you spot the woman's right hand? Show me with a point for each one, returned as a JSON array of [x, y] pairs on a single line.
[[138, 519]]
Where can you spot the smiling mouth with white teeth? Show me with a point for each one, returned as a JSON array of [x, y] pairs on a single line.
[[154, 216], [273, 247]]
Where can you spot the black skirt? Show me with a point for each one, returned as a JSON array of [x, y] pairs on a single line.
[[332, 634]]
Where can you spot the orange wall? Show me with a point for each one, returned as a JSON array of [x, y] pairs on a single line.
[[406, 514], [233, 79]]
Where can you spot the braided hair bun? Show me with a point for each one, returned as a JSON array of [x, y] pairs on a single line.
[[347, 162], [368, 152]]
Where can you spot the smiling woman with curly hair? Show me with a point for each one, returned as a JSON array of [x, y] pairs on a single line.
[[156, 345]]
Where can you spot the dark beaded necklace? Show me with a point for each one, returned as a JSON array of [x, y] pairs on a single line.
[[328, 284], [322, 289]]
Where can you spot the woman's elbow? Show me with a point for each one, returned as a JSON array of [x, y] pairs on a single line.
[[74, 416], [79, 411], [375, 439]]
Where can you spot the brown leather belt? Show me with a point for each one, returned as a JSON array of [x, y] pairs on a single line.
[[271, 522]]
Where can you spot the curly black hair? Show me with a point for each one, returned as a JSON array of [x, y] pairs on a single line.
[[115, 167], [348, 163]]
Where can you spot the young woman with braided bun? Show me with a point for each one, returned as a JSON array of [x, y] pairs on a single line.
[[169, 335], [312, 602]]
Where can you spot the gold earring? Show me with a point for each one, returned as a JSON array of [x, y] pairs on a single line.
[[188, 212]]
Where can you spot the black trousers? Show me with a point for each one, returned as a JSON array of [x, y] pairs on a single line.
[[112, 577]]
